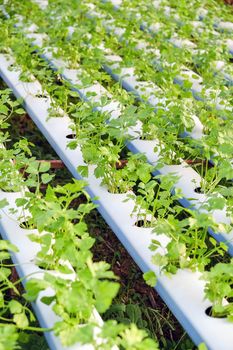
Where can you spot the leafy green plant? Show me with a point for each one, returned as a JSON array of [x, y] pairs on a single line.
[[10, 179], [154, 199], [15, 315], [190, 245], [62, 230], [218, 290]]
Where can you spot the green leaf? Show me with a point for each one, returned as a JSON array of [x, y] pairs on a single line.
[[20, 111], [48, 300], [150, 278], [8, 337], [70, 334], [70, 296], [159, 260], [202, 346], [72, 144], [4, 256], [143, 174], [44, 167], [104, 292], [15, 307], [65, 269], [3, 203], [3, 109], [33, 287], [21, 320], [6, 245], [4, 273], [20, 202], [213, 241], [134, 338], [217, 203], [33, 168], [46, 178], [83, 170], [2, 303]]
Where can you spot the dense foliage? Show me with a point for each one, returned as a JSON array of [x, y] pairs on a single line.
[[175, 60]]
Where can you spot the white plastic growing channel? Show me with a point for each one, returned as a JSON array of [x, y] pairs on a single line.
[[183, 292], [189, 179]]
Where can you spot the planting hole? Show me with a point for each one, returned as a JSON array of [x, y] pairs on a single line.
[[41, 96], [209, 313], [143, 223], [41, 265], [116, 190], [45, 267], [26, 225], [199, 190], [58, 81], [71, 136]]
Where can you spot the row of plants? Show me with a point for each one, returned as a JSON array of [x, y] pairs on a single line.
[[202, 60], [187, 121], [118, 16], [158, 77], [144, 68], [179, 15], [135, 302], [215, 145], [197, 10], [65, 246]]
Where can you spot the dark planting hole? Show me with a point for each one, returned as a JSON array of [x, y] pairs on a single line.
[[231, 59], [208, 312], [41, 96], [45, 267], [199, 190], [118, 191], [26, 226], [58, 81], [42, 266], [104, 136], [123, 153], [143, 223], [71, 136], [145, 138]]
